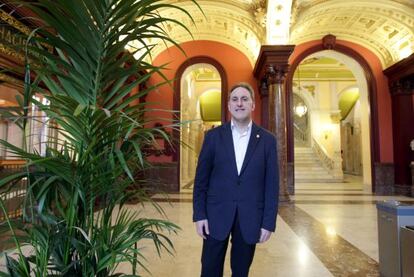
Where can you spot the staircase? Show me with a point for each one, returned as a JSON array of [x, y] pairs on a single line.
[[309, 169]]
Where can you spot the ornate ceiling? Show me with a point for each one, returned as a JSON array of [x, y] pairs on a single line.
[[386, 27], [231, 22], [322, 69], [205, 74]]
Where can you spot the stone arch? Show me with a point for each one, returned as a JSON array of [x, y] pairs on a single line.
[[181, 71], [366, 80]]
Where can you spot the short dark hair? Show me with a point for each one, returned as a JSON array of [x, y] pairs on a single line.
[[243, 85]]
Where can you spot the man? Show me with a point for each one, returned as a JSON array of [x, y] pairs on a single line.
[[236, 188]]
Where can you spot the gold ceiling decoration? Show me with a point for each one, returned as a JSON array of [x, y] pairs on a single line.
[[229, 21], [322, 69], [385, 27], [206, 74], [259, 10]]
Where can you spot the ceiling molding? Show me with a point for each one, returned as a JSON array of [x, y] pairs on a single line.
[[229, 22], [383, 28]]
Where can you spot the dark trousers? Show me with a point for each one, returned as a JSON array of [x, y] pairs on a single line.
[[214, 253]]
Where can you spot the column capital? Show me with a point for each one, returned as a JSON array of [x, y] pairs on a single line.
[[402, 86], [264, 87], [272, 63], [276, 74], [401, 77]]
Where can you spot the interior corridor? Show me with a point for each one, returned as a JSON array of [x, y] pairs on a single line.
[[326, 230]]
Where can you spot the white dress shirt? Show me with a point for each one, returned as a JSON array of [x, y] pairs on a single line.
[[240, 142]]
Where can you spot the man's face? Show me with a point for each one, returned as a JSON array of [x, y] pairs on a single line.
[[241, 105]]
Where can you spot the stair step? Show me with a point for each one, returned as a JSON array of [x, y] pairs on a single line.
[[310, 173], [303, 150], [318, 180], [309, 169], [307, 161]]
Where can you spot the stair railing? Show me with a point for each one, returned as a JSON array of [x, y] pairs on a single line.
[[300, 135], [320, 151]]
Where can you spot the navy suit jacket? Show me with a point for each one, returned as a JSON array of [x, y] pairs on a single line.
[[219, 190]]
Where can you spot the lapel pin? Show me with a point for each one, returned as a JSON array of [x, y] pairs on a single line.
[[257, 136]]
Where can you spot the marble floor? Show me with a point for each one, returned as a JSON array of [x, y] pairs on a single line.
[[326, 230]]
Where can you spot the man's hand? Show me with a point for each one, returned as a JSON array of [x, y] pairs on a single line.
[[264, 235], [201, 226]]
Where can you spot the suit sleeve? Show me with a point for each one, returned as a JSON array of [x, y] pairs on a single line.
[[202, 178], [271, 188]]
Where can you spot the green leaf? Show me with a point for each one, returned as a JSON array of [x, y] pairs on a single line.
[[76, 192], [8, 179], [79, 109]]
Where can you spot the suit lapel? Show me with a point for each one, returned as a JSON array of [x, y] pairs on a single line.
[[253, 140], [228, 144]]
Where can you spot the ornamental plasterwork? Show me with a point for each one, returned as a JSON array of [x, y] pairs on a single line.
[[11, 82], [229, 22], [386, 27]]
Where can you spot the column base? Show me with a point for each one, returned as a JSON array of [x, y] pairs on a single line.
[[284, 198], [384, 178], [290, 178], [412, 179], [405, 190]]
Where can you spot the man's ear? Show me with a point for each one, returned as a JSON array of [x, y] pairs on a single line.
[[253, 106]]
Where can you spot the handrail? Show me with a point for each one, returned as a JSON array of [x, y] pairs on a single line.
[[327, 162], [299, 134], [12, 194]]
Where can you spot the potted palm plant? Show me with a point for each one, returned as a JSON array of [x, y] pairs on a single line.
[[80, 77]]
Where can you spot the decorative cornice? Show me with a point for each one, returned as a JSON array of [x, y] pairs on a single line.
[[401, 77], [259, 10], [404, 86], [13, 82], [385, 27], [401, 69], [226, 22], [4, 16], [273, 61]]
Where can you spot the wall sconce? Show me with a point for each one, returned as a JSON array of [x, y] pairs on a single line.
[[412, 145], [300, 109], [326, 134], [327, 131]]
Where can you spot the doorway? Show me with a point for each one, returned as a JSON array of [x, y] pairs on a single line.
[[200, 110], [330, 88]]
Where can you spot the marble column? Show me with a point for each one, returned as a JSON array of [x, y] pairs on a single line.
[[264, 97], [401, 85], [277, 122], [412, 178], [270, 71]]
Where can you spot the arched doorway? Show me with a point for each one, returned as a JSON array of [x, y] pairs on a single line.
[[367, 83], [200, 87], [334, 83], [9, 129]]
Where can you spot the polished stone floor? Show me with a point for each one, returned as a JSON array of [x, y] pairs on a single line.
[[326, 230]]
